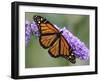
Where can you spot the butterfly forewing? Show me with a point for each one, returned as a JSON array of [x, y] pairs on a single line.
[[47, 28]]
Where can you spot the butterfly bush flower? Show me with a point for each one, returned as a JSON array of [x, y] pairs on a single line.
[[27, 32], [30, 28], [78, 47], [34, 29]]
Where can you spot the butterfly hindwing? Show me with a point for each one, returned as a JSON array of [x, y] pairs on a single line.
[[65, 50], [64, 47], [54, 49], [46, 41]]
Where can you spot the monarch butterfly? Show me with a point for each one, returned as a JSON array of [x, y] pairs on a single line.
[[50, 37]]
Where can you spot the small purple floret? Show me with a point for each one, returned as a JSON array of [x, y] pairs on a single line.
[[34, 29], [27, 32]]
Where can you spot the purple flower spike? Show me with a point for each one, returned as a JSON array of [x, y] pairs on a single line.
[[78, 47], [27, 32], [30, 28], [35, 29]]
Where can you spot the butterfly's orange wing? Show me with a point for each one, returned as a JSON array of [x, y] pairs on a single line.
[[62, 48], [47, 31], [65, 50], [46, 28], [54, 49], [47, 40]]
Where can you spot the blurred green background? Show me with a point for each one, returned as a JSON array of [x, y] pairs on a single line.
[[36, 56]]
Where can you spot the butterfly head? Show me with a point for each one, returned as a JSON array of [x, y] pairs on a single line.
[[38, 19]]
